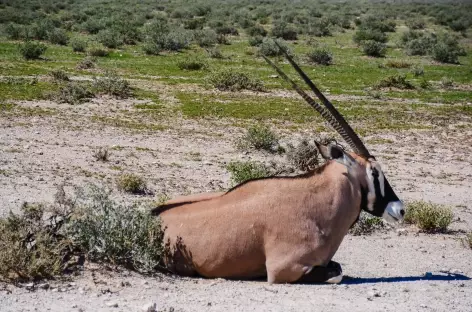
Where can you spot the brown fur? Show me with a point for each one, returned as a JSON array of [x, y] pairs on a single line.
[[279, 227]]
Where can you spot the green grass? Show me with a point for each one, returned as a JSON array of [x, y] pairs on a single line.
[[25, 91], [366, 116]]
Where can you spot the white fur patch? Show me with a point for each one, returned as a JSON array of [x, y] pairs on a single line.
[[371, 193], [335, 280], [381, 182]]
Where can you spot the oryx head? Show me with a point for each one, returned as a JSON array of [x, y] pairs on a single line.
[[379, 198]]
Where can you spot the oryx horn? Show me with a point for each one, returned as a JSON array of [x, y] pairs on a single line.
[[330, 113]]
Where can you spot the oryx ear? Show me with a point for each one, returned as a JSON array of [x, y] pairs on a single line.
[[336, 153], [329, 151]]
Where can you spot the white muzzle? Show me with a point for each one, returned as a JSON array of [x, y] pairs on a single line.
[[394, 212]]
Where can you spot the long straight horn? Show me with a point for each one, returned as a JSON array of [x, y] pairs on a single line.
[[337, 121]]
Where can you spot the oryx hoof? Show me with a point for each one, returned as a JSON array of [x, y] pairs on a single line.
[[335, 273]]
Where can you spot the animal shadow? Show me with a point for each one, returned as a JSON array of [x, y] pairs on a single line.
[[402, 279]]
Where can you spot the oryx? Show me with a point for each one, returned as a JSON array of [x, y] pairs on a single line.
[[285, 228]]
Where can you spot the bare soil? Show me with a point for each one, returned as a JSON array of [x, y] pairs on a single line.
[[392, 271]]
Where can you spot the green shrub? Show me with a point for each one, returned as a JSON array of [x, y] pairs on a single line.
[[395, 81], [255, 41], [131, 183], [256, 31], [374, 48], [320, 28], [192, 63], [416, 23], [230, 80], [115, 233], [367, 224], [304, 156], [206, 37], [15, 31], [369, 35], [151, 48], [58, 36], [112, 84], [59, 75], [269, 48], [227, 30], [284, 31], [244, 171], [97, 49], [110, 38], [78, 44], [73, 93], [443, 53], [320, 56], [32, 50], [260, 137], [429, 217]]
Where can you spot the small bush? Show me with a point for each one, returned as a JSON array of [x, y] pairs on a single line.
[[32, 50], [229, 80], [269, 48], [244, 171], [374, 48], [429, 217], [215, 53], [73, 93], [260, 137], [31, 247], [284, 31], [78, 44], [58, 36], [425, 84], [421, 45], [417, 71], [192, 63], [446, 83], [364, 34], [115, 233], [443, 53], [397, 64], [206, 38], [59, 75], [98, 50], [101, 154], [320, 56], [256, 31], [86, 63], [367, 224], [395, 81], [255, 41], [416, 23], [113, 85], [131, 183], [151, 48], [304, 156], [15, 31], [110, 38]]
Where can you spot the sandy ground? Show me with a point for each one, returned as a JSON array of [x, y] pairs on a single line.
[[386, 271]]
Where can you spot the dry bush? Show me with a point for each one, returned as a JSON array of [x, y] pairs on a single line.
[[101, 154], [367, 224], [304, 156], [47, 241], [192, 63], [113, 85], [59, 75], [73, 93], [429, 217], [131, 183], [397, 64], [86, 63]]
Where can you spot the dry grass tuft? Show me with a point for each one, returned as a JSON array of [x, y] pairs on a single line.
[[304, 156], [131, 183]]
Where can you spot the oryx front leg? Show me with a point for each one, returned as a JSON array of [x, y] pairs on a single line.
[[299, 273]]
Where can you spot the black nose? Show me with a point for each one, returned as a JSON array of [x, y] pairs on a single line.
[[402, 212]]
